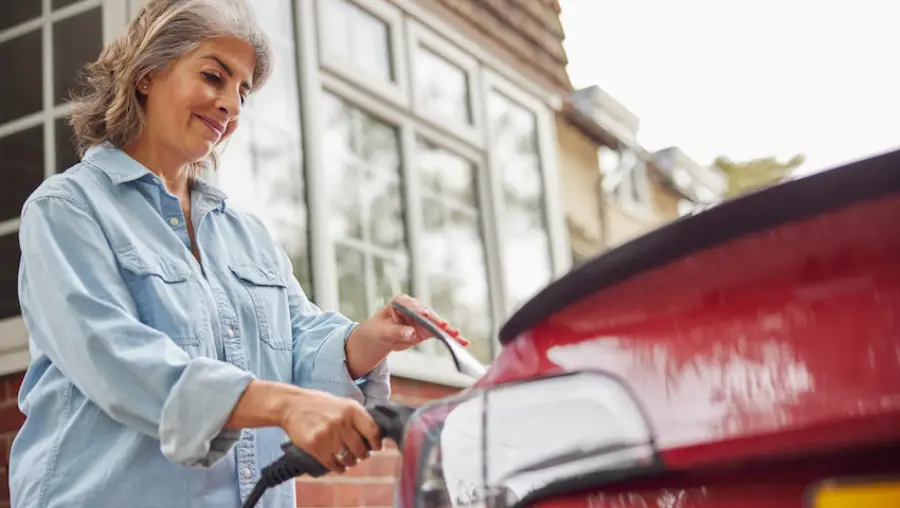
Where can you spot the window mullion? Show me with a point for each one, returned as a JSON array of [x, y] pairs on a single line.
[[48, 91], [323, 265], [415, 224]]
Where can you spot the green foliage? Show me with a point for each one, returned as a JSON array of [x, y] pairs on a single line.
[[748, 176]]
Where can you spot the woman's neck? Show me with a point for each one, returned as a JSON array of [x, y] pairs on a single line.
[[174, 174]]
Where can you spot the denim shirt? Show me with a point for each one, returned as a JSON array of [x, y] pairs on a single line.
[[139, 353]]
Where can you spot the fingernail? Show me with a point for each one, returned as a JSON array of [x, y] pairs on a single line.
[[408, 333]]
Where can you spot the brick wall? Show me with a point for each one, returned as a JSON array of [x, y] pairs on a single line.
[[10, 421], [370, 484]]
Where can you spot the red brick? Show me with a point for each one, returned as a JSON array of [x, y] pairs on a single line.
[[5, 444], [4, 485], [379, 465], [379, 494], [315, 494], [11, 385], [11, 419], [348, 494]]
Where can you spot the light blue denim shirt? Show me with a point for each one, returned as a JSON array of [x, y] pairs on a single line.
[[139, 353]]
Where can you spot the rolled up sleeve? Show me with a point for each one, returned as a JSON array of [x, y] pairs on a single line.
[[81, 315], [319, 354]]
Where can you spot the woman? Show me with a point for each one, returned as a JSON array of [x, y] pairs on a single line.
[[172, 347]]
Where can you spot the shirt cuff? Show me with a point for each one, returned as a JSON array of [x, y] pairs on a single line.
[[191, 425]]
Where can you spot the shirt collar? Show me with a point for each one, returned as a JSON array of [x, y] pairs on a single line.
[[121, 168]]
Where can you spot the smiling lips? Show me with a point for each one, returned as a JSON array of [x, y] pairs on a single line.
[[217, 127]]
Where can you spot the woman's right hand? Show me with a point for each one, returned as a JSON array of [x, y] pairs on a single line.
[[325, 426], [322, 424]]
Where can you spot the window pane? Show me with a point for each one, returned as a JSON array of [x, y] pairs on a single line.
[[58, 4], [362, 168], [526, 241], [21, 58], [442, 88], [354, 35], [351, 272], [391, 279], [23, 169], [454, 253], [19, 11], [9, 259], [66, 155], [77, 41]]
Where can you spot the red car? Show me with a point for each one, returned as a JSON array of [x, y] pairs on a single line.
[[746, 356]]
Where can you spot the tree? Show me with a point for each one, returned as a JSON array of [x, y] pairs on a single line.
[[755, 174]]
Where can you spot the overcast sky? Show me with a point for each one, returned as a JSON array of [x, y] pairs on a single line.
[[746, 78]]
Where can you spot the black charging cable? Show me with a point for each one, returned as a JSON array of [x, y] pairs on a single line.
[[391, 419]]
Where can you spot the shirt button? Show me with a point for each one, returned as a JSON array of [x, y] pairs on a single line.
[[174, 221], [247, 473], [230, 332]]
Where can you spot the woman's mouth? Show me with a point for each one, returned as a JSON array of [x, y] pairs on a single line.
[[216, 127]]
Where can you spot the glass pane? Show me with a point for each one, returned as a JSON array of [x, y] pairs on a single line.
[[446, 174], [371, 46], [58, 4], [66, 156], [442, 88], [391, 279], [357, 36], [454, 254], [19, 11], [277, 17], [385, 215], [277, 101], [351, 282], [526, 241], [9, 260], [22, 154], [21, 58], [77, 41]]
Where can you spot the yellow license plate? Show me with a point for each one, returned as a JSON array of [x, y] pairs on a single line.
[[863, 494]]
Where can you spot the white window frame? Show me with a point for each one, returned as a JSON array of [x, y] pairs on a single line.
[[557, 231], [14, 355], [396, 92], [420, 36]]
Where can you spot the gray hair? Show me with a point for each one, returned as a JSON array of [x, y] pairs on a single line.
[[109, 108]]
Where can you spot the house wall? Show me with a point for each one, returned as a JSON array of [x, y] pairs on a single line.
[[665, 200], [579, 173]]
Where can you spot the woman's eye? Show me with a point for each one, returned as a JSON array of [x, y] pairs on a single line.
[[243, 100], [212, 77]]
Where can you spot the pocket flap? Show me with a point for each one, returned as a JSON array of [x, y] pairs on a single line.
[[169, 270], [257, 275]]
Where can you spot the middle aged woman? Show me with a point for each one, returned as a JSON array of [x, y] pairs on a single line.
[[172, 348]]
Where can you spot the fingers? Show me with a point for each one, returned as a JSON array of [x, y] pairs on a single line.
[[366, 427], [356, 448]]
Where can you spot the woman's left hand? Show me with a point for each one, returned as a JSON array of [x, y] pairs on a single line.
[[389, 330], [397, 332]]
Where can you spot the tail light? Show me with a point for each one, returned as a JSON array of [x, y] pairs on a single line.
[[509, 444]]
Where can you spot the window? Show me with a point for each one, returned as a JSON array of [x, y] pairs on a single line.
[[43, 45], [362, 166], [524, 229], [261, 169], [445, 80], [362, 41], [454, 254]]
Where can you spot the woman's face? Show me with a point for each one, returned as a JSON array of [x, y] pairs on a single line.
[[195, 103]]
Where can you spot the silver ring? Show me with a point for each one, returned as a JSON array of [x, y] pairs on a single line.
[[341, 455]]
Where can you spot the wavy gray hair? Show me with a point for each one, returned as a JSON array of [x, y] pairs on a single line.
[[109, 109]]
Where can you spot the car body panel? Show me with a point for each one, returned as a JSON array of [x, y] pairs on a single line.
[[762, 336]]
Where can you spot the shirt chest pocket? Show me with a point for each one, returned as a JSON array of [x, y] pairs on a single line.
[[267, 293], [164, 293]]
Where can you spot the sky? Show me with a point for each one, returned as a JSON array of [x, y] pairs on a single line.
[[746, 78]]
